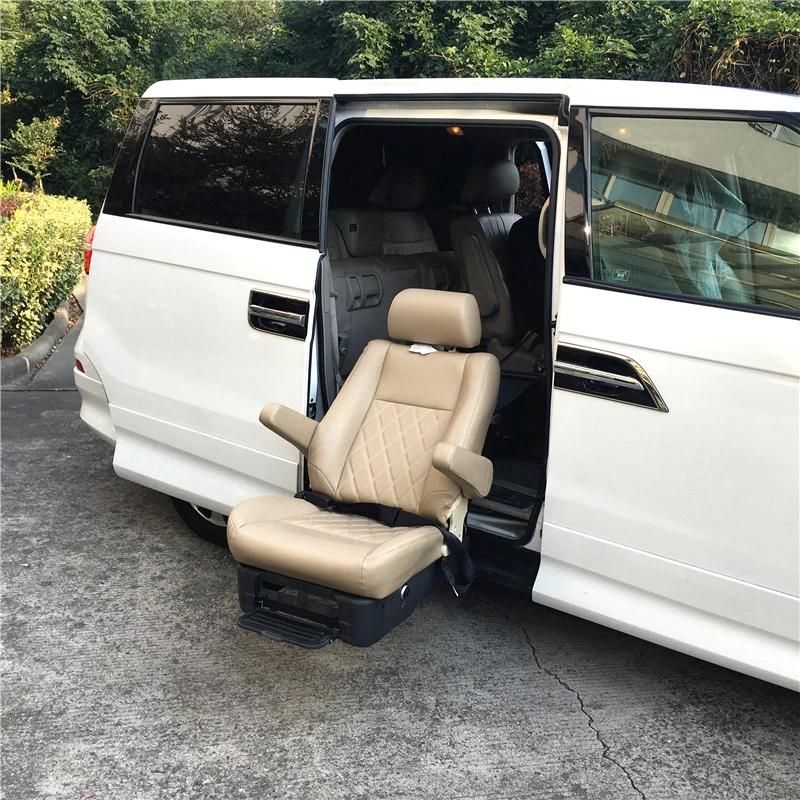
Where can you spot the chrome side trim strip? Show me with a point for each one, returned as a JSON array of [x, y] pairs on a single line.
[[648, 384], [276, 315], [623, 380]]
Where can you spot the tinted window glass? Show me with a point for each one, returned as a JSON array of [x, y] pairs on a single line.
[[241, 166], [576, 225], [119, 199], [707, 208]]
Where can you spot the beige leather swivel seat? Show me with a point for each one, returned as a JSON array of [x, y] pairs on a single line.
[[405, 432]]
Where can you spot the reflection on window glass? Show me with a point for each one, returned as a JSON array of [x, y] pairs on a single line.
[[786, 241], [706, 208], [241, 166], [599, 184], [742, 227], [778, 131], [633, 193]]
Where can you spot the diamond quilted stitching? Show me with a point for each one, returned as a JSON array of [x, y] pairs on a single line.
[[348, 526], [391, 455], [353, 527]]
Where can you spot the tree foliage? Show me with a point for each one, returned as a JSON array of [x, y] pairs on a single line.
[[86, 61], [33, 147], [629, 38], [740, 43]]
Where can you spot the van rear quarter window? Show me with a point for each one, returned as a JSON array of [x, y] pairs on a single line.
[[697, 207], [237, 166], [119, 198]]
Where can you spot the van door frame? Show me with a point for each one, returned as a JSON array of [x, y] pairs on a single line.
[[558, 106], [319, 361]]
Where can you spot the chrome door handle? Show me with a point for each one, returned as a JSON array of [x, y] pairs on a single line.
[[276, 315], [606, 375], [599, 375]]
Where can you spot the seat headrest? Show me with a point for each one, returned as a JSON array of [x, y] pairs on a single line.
[[401, 189], [490, 181], [429, 316]]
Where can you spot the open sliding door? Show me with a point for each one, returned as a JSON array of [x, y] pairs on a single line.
[[672, 501]]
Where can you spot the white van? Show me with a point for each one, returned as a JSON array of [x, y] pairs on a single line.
[[634, 250]]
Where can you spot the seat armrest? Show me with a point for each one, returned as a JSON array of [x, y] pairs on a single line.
[[471, 472], [289, 424]]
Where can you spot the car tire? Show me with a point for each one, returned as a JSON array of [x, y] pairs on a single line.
[[207, 524]]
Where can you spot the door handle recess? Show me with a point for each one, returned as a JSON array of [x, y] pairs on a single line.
[[272, 313], [607, 375]]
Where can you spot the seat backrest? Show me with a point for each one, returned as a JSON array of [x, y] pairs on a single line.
[[398, 194], [365, 282], [375, 444], [376, 252], [526, 270], [390, 226], [481, 243], [354, 233]]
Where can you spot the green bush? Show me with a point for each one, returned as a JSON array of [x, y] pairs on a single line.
[[41, 257], [11, 198]]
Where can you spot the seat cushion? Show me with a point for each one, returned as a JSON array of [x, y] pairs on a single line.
[[353, 554]]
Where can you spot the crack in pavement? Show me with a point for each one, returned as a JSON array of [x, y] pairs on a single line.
[[585, 711]]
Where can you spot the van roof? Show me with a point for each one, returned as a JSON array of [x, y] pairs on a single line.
[[597, 93]]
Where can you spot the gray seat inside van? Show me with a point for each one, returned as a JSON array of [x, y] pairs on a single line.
[[481, 243], [378, 251]]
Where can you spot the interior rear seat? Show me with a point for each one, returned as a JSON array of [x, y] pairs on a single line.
[[377, 252], [405, 432], [405, 231], [481, 243]]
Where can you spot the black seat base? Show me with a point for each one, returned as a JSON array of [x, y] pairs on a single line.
[[291, 610]]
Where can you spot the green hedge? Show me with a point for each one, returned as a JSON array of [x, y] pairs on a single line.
[[41, 258]]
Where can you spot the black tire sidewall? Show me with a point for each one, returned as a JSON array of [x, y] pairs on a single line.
[[215, 534]]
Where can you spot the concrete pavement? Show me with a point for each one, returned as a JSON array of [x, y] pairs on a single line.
[[125, 675], [57, 370], [56, 373]]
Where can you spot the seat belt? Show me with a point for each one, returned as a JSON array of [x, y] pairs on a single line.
[[329, 291], [528, 336], [457, 565]]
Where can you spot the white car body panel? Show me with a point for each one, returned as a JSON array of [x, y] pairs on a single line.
[[682, 528], [95, 411], [706, 493], [732, 408], [668, 603], [169, 295], [595, 93]]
